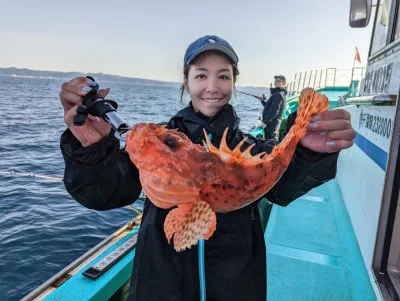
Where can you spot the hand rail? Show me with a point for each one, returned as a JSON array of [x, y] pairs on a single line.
[[322, 78], [377, 99]]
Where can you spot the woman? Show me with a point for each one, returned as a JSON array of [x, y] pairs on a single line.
[[100, 176]]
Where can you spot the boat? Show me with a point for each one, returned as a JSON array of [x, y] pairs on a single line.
[[341, 240]]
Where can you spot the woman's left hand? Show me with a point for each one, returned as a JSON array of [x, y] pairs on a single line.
[[330, 132]]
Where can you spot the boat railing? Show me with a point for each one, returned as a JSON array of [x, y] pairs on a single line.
[[68, 271], [321, 78]]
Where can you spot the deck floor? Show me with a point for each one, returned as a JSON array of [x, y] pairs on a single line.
[[312, 255], [312, 251]]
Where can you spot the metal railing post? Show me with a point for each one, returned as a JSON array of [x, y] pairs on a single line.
[[320, 77], [294, 84], [326, 76], [334, 76], [315, 76], [298, 84], [304, 80]]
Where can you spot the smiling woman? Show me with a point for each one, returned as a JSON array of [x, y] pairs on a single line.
[[210, 73], [210, 83]]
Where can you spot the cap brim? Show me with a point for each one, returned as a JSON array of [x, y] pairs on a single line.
[[218, 47], [279, 77]]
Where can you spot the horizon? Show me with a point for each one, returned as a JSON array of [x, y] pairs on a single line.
[[141, 42], [106, 74], [74, 71]]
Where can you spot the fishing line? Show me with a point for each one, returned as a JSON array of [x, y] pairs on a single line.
[[30, 174], [59, 179], [258, 97]]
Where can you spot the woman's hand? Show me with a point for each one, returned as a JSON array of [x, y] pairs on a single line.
[[330, 132], [94, 129]]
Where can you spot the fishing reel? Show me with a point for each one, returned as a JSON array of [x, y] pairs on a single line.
[[96, 105]]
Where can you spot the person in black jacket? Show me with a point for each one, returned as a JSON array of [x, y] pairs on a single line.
[[99, 175], [274, 107]]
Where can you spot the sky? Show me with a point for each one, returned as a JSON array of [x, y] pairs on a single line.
[[148, 39]]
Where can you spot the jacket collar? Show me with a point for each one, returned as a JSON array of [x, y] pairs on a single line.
[[278, 89], [216, 125]]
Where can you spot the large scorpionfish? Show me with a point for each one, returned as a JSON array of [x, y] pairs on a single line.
[[201, 180]]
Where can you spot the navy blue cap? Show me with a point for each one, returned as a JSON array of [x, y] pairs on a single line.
[[209, 42], [280, 77]]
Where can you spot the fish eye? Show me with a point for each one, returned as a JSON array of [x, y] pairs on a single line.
[[171, 142]]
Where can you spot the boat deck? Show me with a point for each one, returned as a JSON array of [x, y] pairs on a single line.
[[312, 251], [78, 287], [312, 254]]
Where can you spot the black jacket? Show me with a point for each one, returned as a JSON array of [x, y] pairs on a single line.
[[102, 177], [272, 114]]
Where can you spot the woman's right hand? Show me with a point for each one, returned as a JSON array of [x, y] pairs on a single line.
[[71, 95]]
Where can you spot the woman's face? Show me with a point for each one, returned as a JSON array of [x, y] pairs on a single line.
[[210, 83]]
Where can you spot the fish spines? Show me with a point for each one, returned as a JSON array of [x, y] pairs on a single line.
[[232, 156]]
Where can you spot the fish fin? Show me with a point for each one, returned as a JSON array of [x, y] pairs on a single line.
[[208, 145], [213, 226], [223, 147], [188, 223], [236, 150], [310, 104], [163, 195], [232, 156], [175, 221], [224, 152], [247, 157]]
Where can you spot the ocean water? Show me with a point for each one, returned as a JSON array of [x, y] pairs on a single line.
[[42, 229]]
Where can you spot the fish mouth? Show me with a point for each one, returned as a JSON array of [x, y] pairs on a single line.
[[212, 100]]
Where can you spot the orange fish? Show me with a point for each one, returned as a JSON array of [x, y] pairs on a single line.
[[201, 180]]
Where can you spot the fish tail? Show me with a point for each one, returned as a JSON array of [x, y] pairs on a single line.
[[310, 104], [189, 223]]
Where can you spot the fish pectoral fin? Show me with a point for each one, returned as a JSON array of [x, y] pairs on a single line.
[[189, 223]]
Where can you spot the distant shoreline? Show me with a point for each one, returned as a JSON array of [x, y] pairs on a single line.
[[150, 83], [29, 73]]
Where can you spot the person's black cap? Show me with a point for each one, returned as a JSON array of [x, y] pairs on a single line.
[[280, 77]]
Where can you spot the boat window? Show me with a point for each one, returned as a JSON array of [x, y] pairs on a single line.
[[397, 30], [381, 26]]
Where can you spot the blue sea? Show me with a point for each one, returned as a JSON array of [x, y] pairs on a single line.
[[42, 229]]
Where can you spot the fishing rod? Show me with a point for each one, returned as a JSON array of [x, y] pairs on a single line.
[[96, 105], [258, 97]]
